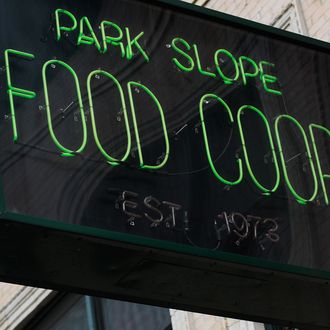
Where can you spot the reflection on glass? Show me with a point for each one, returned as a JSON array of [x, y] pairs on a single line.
[[128, 316]]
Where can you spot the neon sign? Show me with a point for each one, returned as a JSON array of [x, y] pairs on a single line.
[[210, 135], [182, 47]]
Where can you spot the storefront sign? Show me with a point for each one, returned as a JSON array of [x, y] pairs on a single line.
[[172, 128]]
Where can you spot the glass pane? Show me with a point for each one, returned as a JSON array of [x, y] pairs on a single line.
[[128, 316], [69, 314]]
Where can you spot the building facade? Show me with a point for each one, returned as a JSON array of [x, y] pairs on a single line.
[[25, 307]]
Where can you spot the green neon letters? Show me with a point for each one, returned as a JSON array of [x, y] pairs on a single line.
[[266, 190], [65, 151], [90, 38], [113, 161], [199, 65], [268, 79], [318, 163], [226, 79], [84, 39], [246, 74], [190, 60], [131, 85], [207, 147], [135, 42], [299, 198], [15, 91], [114, 40], [271, 144], [60, 28], [245, 68]]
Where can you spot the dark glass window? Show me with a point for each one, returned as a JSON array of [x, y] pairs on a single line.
[[129, 316], [75, 312], [68, 314], [278, 327]]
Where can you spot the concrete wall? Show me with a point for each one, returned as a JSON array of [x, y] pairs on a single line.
[[313, 15], [19, 303], [193, 321]]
